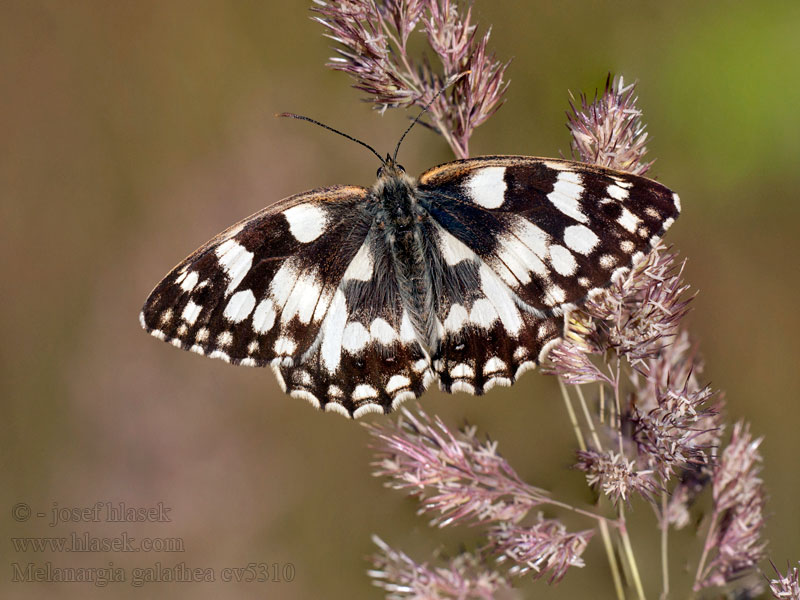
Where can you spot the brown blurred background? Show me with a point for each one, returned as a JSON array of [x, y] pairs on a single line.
[[131, 132]]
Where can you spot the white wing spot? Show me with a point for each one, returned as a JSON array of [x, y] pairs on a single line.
[[483, 313], [190, 312], [566, 195], [323, 303], [367, 409], [201, 335], [532, 236], [183, 330], [239, 306], [562, 260], [397, 382], [361, 266], [220, 355], [453, 251], [332, 330], [355, 337], [500, 296], [627, 246], [617, 192], [676, 199], [517, 260], [420, 365], [622, 183], [487, 187], [524, 367], [335, 407], [402, 397], [382, 332], [303, 298], [652, 212], [284, 346], [607, 261], [188, 281], [334, 391], [224, 339], [462, 371], [306, 222], [544, 330], [280, 288], [493, 365], [628, 220], [580, 239], [462, 386], [264, 316], [364, 392], [305, 395], [279, 377], [252, 347], [235, 261], [554, 295], [501, 381], [457, 316], [407, 333], [303, 377]]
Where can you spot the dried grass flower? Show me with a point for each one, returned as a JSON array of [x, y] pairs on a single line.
[[373, 47], [461, 578]]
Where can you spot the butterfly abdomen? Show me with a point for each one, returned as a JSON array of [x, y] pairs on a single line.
[[400, 217]]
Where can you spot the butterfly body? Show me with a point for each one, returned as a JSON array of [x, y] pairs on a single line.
[[360, 298]]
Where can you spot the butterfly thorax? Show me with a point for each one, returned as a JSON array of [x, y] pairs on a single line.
[[400, 217]]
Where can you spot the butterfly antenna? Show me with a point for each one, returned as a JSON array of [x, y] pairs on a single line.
[[424, 110], [349, 137]]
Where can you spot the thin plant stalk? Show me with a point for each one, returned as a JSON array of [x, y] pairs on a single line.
[[588, 417], [664, 522], [573, 418]]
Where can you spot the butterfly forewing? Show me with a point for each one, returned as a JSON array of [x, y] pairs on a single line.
[[260, 290], [554, 231]]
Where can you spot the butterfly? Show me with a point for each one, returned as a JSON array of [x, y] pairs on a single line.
[[360, 298]]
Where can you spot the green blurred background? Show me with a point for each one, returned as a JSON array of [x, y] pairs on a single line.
[[132, 131]]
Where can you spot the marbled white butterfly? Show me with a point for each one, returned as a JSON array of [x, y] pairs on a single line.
[[360, 298]]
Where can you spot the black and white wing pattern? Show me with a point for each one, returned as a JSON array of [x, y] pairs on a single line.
[[360, 298], [534, 238], [303, 286]]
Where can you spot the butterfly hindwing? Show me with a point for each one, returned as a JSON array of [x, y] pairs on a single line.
[[367, 358], [260, 290], [487, 335]]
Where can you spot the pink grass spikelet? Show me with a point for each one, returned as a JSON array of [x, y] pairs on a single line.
[[543, 548], [457, 478], [615, 475], [462, 578], [372, 47], [734, 539], [609, 131], [786, 587]]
